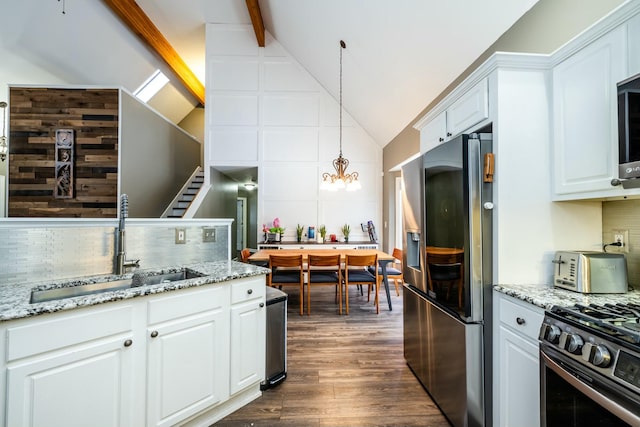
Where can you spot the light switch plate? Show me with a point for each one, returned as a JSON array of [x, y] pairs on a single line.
[[208, 234], [181, 236]]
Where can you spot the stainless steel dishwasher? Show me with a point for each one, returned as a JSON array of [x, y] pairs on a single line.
[[276, 330]]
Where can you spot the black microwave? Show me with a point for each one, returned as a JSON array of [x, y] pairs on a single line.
[[629, 127]]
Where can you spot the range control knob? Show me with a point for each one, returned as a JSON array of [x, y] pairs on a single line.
[[573, 343], [551, 333], [596, 354]]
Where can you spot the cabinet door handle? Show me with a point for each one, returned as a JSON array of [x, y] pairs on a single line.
[[440, 139], [261, 304], [520, 321], [250, 291], [128, 343], [448, 133], [154, 334]]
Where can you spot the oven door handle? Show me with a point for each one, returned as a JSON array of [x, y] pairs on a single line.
[[619, 411]]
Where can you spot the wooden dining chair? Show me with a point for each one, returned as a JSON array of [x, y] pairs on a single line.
[[356, 273], [324, 270], [245, 254], [287, 270], [394, 271], [446, 269]]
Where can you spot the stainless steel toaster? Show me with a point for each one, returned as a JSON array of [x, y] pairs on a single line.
[[590, 272]]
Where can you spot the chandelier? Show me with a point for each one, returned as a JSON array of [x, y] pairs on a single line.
[[340, 179]]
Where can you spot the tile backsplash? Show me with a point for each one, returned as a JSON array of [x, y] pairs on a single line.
[[60, 252], [624, 215]]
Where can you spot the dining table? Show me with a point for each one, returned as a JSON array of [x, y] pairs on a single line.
[[384, 259]]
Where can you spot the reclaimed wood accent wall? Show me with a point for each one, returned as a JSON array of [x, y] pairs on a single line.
[[35, 115]]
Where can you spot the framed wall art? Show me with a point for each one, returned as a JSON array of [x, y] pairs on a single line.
[[64, 164]]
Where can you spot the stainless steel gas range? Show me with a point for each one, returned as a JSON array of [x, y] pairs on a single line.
[[590, 365]]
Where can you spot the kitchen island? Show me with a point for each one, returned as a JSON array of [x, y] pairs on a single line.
[[185, 352]]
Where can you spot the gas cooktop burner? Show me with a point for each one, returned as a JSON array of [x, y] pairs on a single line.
[[620, 321], [601, 339]]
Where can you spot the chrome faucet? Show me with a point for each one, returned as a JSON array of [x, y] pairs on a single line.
[[121, 257]]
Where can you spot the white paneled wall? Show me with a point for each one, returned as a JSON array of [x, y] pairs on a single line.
[[265, 110]]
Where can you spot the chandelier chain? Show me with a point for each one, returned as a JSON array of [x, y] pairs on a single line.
[[341, 179], [342, 46]]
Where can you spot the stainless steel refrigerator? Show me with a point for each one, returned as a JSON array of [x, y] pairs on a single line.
[[447, 320]]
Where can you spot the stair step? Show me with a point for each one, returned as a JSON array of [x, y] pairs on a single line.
[[177, 211], [183, 204], [190, 191], [187, 197]]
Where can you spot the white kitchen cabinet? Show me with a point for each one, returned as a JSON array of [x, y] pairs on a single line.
[[187, 354], [516, 368], [158, 360], [248, 333], [434, 132], [470, 109], [74, 369], [585, 137]]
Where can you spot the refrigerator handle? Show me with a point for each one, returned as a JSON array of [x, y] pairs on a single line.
[[489, 167]]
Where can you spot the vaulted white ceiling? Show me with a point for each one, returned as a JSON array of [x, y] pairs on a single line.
[[400, 54]]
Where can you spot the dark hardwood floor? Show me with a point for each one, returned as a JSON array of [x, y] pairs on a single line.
[[343, 370]]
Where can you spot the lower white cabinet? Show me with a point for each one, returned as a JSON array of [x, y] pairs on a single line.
[[89, 385], [71, 369], [516, 370], [159, 360], [187, 355], [247, 334]]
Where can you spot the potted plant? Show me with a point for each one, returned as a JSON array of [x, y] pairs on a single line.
[[323, 232], [346, 230], [274, 234], [299, 232]]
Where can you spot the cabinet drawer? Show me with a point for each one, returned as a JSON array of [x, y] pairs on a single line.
[[523, 319], [188, 302], [248, 289], [55, 331]]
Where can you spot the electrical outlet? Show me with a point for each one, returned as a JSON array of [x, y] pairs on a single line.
[[621, 236], [208, 234], [181, 236]]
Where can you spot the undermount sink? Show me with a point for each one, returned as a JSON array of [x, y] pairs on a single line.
[[138, 279]]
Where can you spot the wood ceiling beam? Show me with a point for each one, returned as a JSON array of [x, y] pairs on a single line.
[[138, 22], [256, 20]]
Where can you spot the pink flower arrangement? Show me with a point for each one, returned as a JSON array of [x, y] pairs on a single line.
[[275, 229]]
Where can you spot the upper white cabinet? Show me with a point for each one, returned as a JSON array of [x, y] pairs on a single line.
[[633, 31], [585, 150], [434, 132], [470, 109]]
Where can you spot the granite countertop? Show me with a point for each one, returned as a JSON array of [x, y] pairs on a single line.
[[14, 298], [546, 296]]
